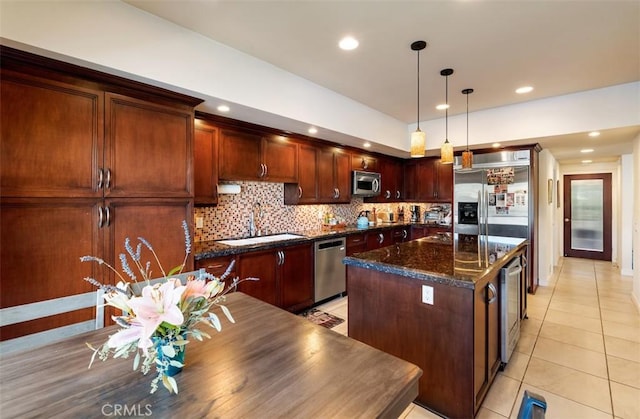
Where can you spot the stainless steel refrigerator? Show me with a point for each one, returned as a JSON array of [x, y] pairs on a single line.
[[495, 197]]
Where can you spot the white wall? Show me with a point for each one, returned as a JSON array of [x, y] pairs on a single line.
[[547, 229], [626, 181], [636, 222], [144, 47]]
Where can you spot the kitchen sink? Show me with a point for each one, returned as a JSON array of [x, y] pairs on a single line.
[[260, 240]]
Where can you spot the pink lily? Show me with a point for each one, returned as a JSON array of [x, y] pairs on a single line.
[[158, 303]]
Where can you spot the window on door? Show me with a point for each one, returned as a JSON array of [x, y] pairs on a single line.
[[587, 216]]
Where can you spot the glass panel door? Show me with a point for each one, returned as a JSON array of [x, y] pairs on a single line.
[[587, 216]]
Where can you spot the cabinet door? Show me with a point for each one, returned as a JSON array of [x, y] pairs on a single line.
[[280, 157], [419, 180], [239, 155], [378, 239], [149, 149], [343, 176], [159, 222], [486, 351], [261, 265], [400, 234], [326, 169], [40, 249], [306, 190], [297, 277], [444, 178], [364, 162], [51, 142], [205, 164], [418, 232]]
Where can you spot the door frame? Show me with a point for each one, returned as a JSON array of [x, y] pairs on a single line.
[[607, 217]]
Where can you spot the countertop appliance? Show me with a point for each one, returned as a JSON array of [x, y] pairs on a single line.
[[415, 213], [510, 279], [330, 272], [365, 183]]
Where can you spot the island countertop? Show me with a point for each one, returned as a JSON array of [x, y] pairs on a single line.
[[452, 259]]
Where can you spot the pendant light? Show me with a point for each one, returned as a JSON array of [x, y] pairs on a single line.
[[446, 151], [467, 155], [418, 138]]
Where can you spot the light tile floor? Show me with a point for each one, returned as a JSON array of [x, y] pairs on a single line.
[[579, 348]]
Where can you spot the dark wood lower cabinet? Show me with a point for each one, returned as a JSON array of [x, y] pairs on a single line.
[[455, 341], [285, 276]]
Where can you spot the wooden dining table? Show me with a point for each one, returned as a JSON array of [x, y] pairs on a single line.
[[268, 364]]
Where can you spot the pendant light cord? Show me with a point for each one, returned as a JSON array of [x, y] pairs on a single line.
[[467, 122], [418, 106], [446, 109]]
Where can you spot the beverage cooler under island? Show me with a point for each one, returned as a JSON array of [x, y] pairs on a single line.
[[449, 303]]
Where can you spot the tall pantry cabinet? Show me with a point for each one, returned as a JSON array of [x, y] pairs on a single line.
[[86, 160]]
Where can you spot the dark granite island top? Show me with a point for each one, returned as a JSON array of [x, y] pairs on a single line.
[[435, 302], [452, 259]]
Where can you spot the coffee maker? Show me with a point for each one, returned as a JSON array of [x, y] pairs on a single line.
[[415, 213]]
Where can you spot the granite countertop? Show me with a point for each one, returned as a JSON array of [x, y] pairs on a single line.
[[452, 259], [213, 248]]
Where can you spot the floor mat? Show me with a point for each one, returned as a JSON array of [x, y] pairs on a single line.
[[322, 318]]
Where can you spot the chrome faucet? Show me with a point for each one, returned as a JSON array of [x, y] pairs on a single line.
[[256, 214]]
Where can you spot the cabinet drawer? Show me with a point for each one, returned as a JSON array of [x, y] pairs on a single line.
[[217, 266]]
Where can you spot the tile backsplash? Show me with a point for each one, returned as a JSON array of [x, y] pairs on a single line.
[[230, 218]]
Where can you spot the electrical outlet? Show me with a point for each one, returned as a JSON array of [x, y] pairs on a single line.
[[427, 294], [199, 222]]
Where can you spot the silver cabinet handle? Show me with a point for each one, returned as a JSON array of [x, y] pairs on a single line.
[[283, 256], [387, 194], [100, 217], [263, 170], [397, 194], [336, 193], [100, 178], [380, 238], [108, 216], [299, 191], [404, 234], [266, 170], [493, 290], [107, 183], [365, 165]]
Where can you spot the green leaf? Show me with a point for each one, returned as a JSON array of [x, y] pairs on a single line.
[[175, 270], [136, 361], [227, 313], [168, 350], [176, 364], [170, 384], [215, 321]]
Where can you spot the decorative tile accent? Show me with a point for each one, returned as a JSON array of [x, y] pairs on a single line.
[[230, 218]]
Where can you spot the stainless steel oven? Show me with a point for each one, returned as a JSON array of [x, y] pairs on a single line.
[[510, 279]]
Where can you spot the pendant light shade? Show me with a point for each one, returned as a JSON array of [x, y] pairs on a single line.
[[418, 138], [446, 151], [467, 155]]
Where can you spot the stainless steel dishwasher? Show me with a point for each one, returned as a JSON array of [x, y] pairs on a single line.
[[330, 272]]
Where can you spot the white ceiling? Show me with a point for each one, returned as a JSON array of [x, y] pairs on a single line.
[[559, 47]]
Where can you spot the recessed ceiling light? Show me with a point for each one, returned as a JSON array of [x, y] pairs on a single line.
[[442, 107], [313, 130], [587, 150], [594, 134], [495, 145], [524, 89], [366, 145], [223, 108], [586, 161], [348, 43]]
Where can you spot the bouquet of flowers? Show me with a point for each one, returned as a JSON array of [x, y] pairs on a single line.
[[157, 319]]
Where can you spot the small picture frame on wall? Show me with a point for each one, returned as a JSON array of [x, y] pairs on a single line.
[[558, 193], [549, 191]]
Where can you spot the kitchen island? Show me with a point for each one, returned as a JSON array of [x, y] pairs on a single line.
[[434, 302]]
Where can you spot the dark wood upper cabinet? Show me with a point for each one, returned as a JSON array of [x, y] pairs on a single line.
[[246, 155], [205, 164], [391, 181], [306, 190], [52, 137], [364, 162], [428, 180], [149, 149], [334, 176]]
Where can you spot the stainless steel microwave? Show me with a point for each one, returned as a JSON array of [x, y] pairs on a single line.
[[365, 183]]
